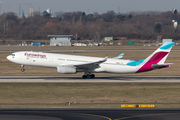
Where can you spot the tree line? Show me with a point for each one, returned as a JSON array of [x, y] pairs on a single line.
[[141, 25]]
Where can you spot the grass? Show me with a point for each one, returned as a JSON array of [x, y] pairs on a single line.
[[87, 94], [90, 93], [3, 47]]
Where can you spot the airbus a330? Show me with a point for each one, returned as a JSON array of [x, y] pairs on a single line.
[[71, 64]]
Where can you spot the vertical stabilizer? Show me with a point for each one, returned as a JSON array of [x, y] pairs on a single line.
[[158, 57]]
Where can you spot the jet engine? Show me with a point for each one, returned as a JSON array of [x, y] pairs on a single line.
[[66, 70]]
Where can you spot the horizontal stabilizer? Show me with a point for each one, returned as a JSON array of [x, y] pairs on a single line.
[[158, 66]]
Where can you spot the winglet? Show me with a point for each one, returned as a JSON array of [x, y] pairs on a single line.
[[119, 56], [104, 60]]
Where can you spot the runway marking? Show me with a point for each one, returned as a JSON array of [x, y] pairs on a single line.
[[93, 115], [63, 112], [143, 116]]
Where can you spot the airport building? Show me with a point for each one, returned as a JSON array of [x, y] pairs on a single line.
[[60, 40]]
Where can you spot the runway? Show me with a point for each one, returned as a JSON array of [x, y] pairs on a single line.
[[85, 113], [90, 114], [78, 79]]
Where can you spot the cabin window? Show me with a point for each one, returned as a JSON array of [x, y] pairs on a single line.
[[13, 54]]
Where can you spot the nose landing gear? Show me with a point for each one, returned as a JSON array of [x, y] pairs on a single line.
[[22, 68]]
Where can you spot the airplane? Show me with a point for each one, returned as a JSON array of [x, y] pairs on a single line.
[[71, 64]]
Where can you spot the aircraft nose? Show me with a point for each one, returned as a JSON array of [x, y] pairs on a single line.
[[8, 57]]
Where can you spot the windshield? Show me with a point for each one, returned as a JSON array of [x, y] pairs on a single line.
[[13, 54]]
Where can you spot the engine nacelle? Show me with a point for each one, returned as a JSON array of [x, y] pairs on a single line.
[[66, 70]]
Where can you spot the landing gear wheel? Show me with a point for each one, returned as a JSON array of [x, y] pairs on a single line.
[[22, 66], [88, 76], [92, 76], [84, 76], [23, 70]]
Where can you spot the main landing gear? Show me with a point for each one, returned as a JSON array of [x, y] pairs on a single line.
[[22, 68], [88, 76]]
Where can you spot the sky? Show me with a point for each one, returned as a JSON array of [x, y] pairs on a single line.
[[89, 6]]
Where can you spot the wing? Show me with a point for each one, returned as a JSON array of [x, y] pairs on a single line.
[[90, 65]]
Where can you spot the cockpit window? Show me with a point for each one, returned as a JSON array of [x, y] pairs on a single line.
[[13, 54]]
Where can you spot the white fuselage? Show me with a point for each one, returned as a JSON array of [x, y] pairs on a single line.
[[54, 60], [70, 64]]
